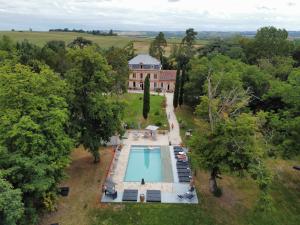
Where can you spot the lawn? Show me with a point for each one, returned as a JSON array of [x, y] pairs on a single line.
[[187, 121], [134, 111], [141, 44], [85, 181]]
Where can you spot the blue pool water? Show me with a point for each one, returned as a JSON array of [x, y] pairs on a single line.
[[144, 163]]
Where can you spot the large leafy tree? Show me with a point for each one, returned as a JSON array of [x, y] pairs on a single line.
[[157, 47], [233, 142], [11, 206], [95, 114], [27, 52], [33, 119], [146, 98], [54, 55], [268, 43], [283, 117], [80, 42], [185, 52], [117, 58]]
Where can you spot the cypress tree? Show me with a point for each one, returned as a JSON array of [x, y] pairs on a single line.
[[176, 91], [181, 92], [146, 103]]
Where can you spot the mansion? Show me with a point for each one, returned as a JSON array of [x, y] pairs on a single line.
[[144, 65]]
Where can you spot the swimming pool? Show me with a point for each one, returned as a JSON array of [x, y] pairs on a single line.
[[144, 162]]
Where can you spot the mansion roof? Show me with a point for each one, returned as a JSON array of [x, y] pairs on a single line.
[[144, 59]]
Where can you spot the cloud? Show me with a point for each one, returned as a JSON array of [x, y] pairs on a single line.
[[158, 15], [291, 3], [265, 8]]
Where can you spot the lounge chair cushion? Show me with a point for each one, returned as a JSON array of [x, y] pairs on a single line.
[[153, 196], [130, 195]]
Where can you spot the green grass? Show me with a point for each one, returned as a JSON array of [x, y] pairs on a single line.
[[141, 44], [187, 121], [134, 109], [150, 214]]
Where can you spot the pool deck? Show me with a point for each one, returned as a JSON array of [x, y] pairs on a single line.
[[169, 190]]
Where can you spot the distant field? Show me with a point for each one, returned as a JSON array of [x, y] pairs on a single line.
[[141, 44]]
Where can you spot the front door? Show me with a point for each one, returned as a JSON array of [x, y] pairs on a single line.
[[142, 86]]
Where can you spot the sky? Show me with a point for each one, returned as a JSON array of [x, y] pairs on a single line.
[[150, 15]]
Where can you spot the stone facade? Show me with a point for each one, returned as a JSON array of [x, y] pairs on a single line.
[[144, 65]]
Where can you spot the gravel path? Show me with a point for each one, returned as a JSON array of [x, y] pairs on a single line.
[[174, 135]]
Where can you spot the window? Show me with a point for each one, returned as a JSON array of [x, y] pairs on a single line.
[[155, 84], [134, 84], [141, 66], [134, 75], [155, 76], [162, 85], [141, 76]]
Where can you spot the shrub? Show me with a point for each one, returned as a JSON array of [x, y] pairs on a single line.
[[182, 124], [158, 123], [157, 113]]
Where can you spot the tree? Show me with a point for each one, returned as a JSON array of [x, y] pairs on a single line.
[[197, 77], [117, 58], [54, 55], [229, 47], [11, 206], [176, 91], [157, 46], [33, 122], [130, 50], [185, 52], [188, 43], [146, 99], [80, 42], [27, 52], [96, 114], [268, 43], [182, 82], [232, 144]]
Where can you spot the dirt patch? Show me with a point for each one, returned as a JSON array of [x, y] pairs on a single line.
[[84, 179]]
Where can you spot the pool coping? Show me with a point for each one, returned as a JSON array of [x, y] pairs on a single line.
[[169, 191]]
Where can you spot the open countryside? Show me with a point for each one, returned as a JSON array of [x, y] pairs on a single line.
[[141, 44]]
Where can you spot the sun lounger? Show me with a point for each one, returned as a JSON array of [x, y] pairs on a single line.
[[130, 195], [184, 174], [153, 196], [182, 163], [184, 179], [182, 167], [187, 195], [183, 170]]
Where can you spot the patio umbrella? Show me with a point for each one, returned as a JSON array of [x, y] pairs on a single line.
[[152, 128]]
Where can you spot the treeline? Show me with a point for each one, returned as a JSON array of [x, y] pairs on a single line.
[[52, 99], [248, 92], [94, 32]]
